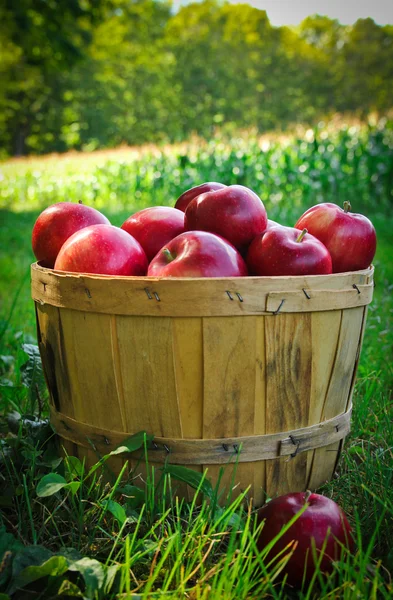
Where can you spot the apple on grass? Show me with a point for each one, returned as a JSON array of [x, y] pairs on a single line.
[[184, 200], [56, 224], [104, 250], [234, 212], [318, 534], [349, 237], [198, 254], [287, 251], [154, 227]]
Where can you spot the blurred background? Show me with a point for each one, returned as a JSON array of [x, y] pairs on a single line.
[[90, 74]]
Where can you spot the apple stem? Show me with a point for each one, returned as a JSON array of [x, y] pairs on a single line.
[[167, 254], [347, 206], [80, 202], [307, 496], [301, 235]]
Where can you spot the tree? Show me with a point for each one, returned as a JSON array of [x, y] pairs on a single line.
[[47, 38]]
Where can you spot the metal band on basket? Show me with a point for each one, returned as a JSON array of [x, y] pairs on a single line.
[[214, 451]]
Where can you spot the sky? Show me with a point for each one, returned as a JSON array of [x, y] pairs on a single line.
[[292, 12]]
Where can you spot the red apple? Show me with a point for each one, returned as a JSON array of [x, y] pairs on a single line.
[[56, 224], [234, 212], [287, 251], [323, 525], [349, 237], [102, 249], [198, 254], [154, 227], [184, 200], [271, 224]]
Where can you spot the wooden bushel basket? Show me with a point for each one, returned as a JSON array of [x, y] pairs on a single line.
[[257, 371]]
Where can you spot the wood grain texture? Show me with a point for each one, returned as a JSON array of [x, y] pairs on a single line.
[[338, 392], [188, 363], [258, 480], [148, 375], [54, 358], [325, 329], [229, 388], [215, 451], [288, 379], [318, 300], [182, 297], [205, 359]]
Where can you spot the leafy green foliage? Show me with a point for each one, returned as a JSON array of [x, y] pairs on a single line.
[[103, 73], [84, 537], [325, 164], [197, 481]]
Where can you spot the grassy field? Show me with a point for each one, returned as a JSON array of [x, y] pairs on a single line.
[[72, 535]]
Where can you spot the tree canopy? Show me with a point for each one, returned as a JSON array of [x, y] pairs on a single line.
[[97, 73]]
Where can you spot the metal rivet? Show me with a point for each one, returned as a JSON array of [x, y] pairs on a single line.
[[107, 442], [306, 294], [356, 288], [225, 447], [148, 294], [88, 293], [236, 448], [239, 296], [229, 295], [155, 446], [166, 448], [157, 297]]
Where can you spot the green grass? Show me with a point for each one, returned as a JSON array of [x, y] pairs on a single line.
[[149, 543]]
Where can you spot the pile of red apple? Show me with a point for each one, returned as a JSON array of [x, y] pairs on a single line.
[[213, 231]]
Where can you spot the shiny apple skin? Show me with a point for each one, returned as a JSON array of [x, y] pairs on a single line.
[[103, 250], [349, 237], [235, 212], [322, 515], [198, 254], [154, 227], [56, 224], [277, 253], [184, 200]]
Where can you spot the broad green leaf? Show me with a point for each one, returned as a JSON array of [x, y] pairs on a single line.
[[29, 556], [134, 496], [71, 554], [54, 566], [92, 572], [73, 486], [73, 467], [194, 479], [50, 484], [68, 589], [32, 370], [8, 545], [116, 510], [8, 542], [134, 442]]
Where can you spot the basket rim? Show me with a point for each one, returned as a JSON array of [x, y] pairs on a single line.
[[37, 267]]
